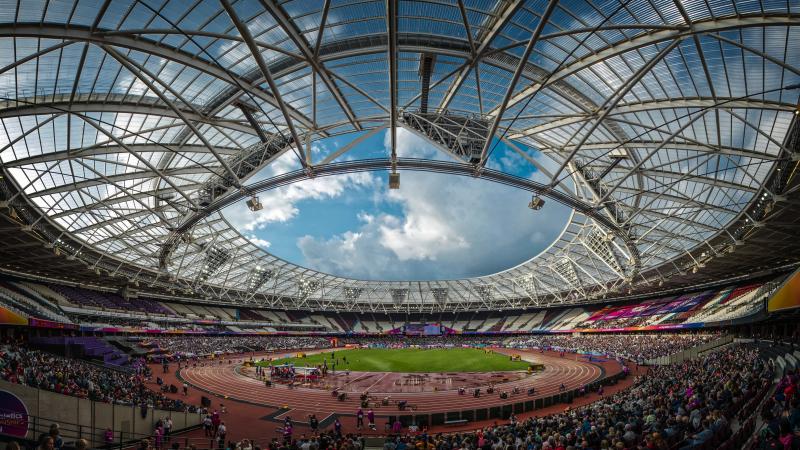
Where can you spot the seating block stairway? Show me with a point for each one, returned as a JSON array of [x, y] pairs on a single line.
[[92, 347]]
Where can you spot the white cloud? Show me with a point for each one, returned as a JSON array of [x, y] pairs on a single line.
[[409, 145], [280, 205], [448, 225], [258, 241], [435, 226]]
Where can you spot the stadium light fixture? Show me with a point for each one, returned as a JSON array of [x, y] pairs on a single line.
[[306, 287], [215, 258], [254, 204], [258, 277], [394, 181], [536, 203]]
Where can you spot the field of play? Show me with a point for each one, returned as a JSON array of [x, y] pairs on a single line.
[[410, 360]]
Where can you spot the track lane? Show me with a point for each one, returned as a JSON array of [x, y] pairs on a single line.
[[226, 381]]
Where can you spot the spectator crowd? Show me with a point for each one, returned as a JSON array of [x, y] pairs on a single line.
[[202, 345], [82, 379], [681, 406], [443, 341], [781, 416], [634, 347]]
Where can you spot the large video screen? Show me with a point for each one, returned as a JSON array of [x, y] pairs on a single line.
[[421, 329]]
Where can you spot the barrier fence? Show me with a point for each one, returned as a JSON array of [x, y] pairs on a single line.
[[72, 432], [501, 412], [690, 353], [86, 419]]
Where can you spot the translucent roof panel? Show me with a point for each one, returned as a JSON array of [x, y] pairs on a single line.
[[658, 122]]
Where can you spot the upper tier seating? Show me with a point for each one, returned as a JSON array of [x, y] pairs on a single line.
[[30, 303], [71, 304], [106, 300]]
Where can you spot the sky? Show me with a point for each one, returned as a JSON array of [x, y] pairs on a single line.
[[434, 227]]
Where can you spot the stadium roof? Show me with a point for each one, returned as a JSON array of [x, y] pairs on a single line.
[[665, 125]]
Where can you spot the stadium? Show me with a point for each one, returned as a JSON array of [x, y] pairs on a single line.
[[399, 224]]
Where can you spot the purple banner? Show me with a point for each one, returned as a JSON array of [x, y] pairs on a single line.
[[13, 415]]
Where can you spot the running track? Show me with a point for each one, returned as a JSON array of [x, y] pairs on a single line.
[[224, 380]]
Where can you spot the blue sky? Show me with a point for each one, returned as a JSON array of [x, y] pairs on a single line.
[[435, 227]]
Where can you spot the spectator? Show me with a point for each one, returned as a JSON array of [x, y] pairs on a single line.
[[634, 347], [108, 436], [55, 434], [176, 348], [81, 379], [46, 443], [167, 428], [208, 426]]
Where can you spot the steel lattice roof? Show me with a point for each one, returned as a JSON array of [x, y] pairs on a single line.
[[665, 124]]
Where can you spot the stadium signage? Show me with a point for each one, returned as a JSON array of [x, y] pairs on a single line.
[[42, 323], [8, 317], [13, 415]]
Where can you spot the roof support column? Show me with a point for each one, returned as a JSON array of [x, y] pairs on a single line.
[[391, 30]]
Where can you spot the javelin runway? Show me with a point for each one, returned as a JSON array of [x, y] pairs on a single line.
[[226, 380]]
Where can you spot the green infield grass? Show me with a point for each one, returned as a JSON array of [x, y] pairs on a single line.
[[410, 360]]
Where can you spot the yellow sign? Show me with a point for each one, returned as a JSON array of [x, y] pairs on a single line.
[[788, 296], [8, 317]]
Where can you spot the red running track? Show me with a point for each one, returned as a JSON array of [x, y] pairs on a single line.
[[226, 380], [246, 420]]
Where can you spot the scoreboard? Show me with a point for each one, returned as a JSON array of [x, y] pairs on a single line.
[[422, 329]]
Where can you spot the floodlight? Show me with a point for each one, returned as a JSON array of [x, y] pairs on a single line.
[[394, 181], [536, 203], [618, 153], [204, 198], [254, 204]]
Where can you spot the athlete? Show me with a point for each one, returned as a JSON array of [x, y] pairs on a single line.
[[313, 422], [359, 418]]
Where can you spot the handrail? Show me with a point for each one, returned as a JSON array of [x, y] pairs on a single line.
[[752, 419], [71, 432], [128, 423], [690, 353]]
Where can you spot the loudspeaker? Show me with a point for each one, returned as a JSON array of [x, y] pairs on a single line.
[[205, 401]]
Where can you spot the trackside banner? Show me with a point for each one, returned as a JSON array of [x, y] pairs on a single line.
[[13, 415]]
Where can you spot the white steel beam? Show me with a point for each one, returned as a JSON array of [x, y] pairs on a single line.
[[551, 6]]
